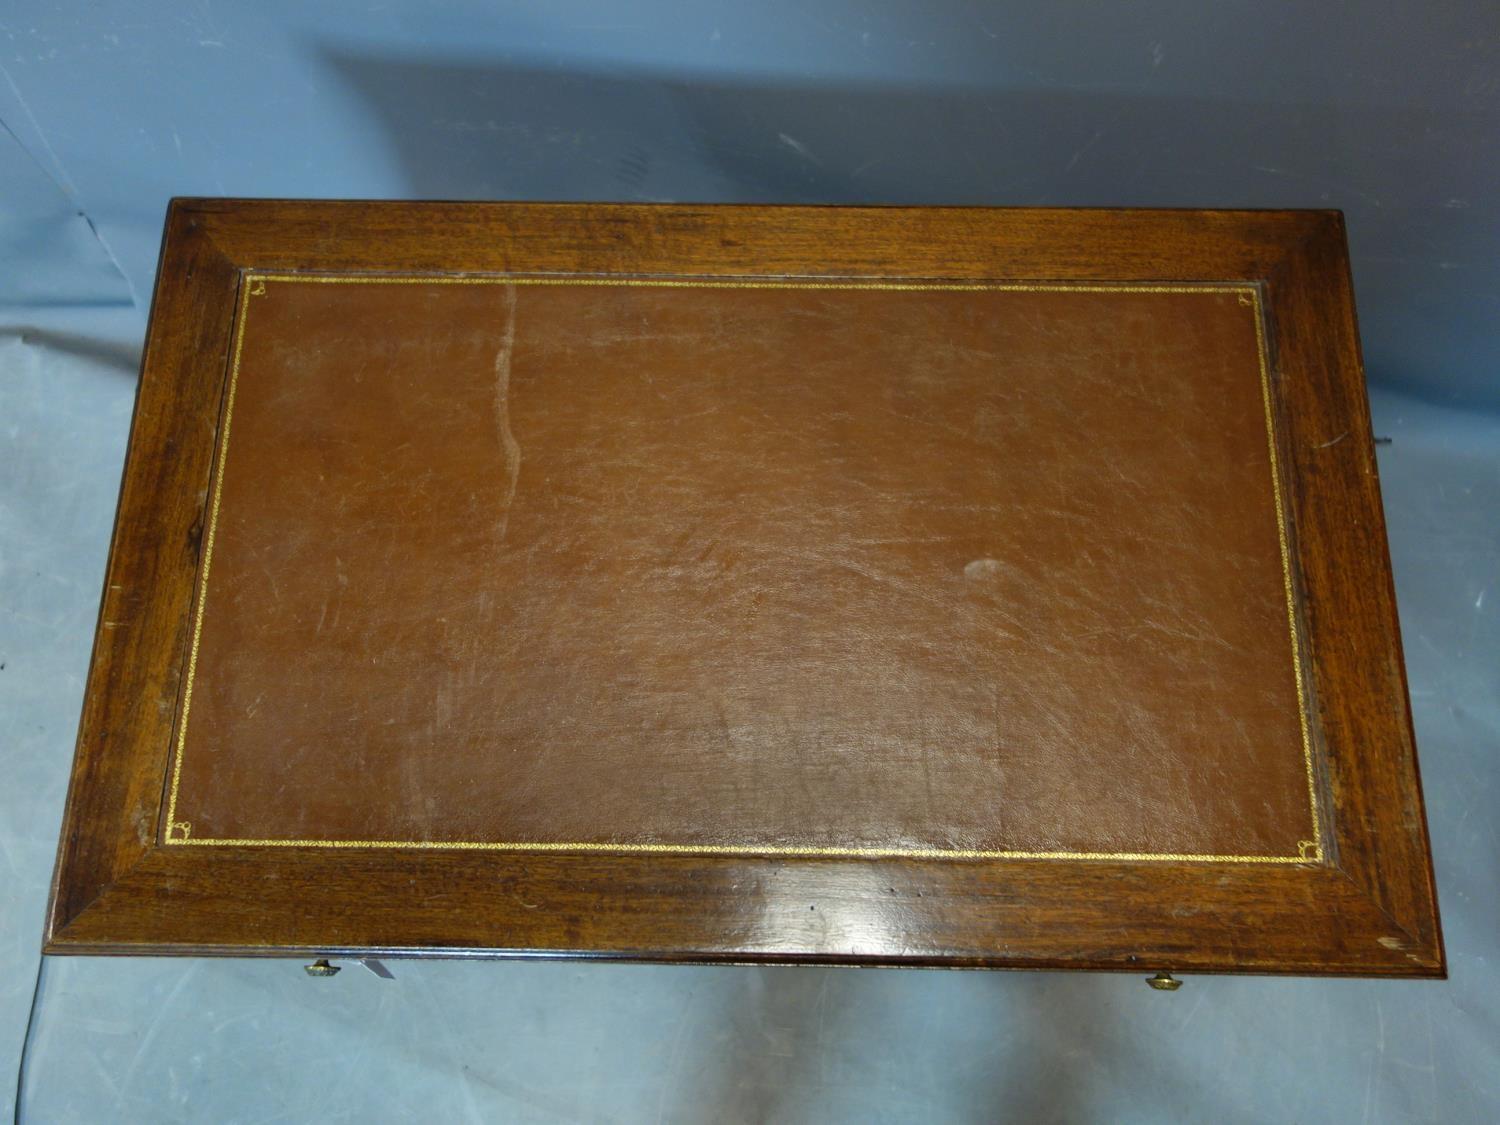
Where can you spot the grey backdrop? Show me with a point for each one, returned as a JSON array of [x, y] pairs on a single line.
[[1390, 111]]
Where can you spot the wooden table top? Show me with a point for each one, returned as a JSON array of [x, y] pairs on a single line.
[[894, 586]]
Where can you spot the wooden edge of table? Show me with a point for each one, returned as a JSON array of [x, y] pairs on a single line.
[[1368, 907]]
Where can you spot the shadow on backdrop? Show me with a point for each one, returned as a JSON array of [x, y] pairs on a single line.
[[792, 1043], [1427, 286]]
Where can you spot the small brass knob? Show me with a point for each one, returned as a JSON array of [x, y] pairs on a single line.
[[321, 968], [1164, 982]]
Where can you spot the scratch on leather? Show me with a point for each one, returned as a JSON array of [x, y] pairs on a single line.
[[508, 443]]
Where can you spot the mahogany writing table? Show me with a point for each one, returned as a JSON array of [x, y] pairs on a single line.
[[875, 586]]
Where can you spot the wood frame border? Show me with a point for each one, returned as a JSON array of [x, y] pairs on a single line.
[[1369, 907]]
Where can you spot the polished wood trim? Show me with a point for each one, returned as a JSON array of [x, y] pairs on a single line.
[[110, 820], [1368, 908], [1348, 597], [1015, 914], [634, 239]]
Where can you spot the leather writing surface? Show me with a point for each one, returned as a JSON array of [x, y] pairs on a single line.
[[892, 569]]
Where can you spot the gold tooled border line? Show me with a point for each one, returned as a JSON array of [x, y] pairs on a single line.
[[179, 832]]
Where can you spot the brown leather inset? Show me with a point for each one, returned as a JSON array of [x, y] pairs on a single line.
[[747, 567]]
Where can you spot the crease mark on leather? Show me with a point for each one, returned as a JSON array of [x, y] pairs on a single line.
[[508, 443]]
